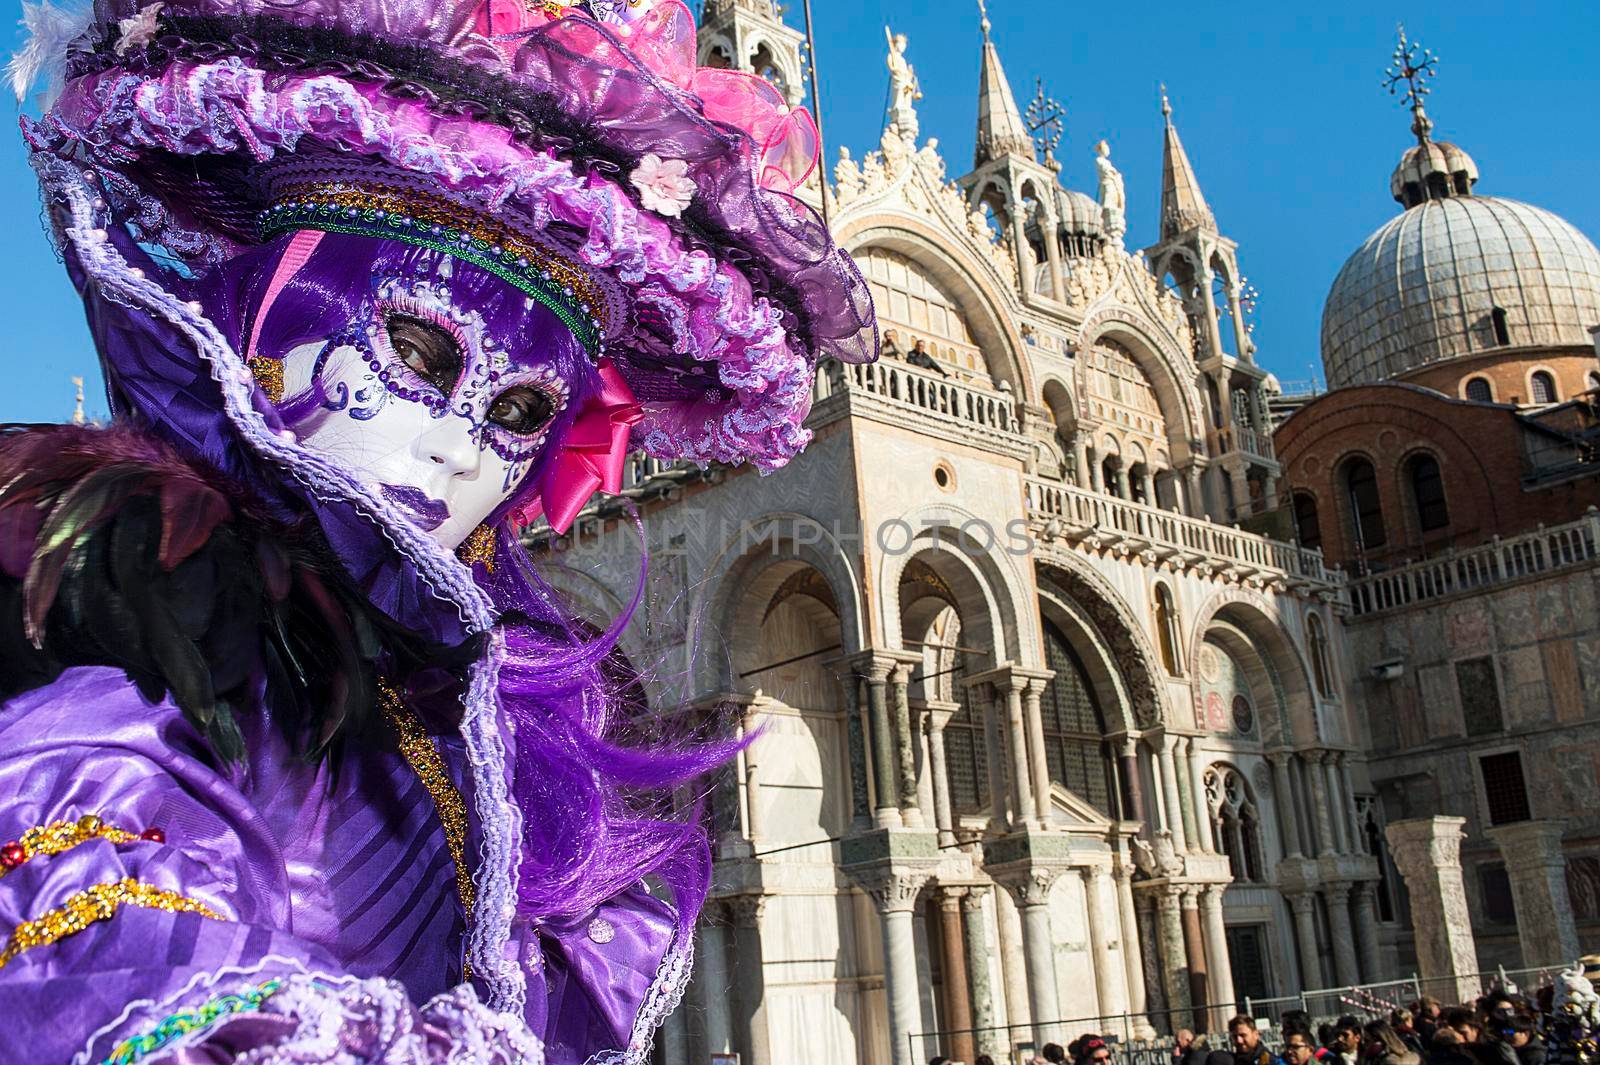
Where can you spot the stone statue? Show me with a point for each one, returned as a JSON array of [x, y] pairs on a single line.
[[1113, 197], [904, 89]]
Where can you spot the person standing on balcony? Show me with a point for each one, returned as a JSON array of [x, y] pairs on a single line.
[[919, 357]]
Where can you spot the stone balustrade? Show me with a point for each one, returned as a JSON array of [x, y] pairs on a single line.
[[1498, 562], [1242, 438], [1080, 515], [893, 390]]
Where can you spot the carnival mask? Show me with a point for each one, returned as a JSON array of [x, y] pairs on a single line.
[[423, 403]]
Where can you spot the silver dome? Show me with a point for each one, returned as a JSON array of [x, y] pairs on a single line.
[[1423, 289]]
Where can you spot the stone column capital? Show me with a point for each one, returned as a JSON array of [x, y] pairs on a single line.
[[1529, 842], [938, 714], [1031, 887], [744, 911], [1090, 873], [1302, 902], [972, 897], [952, 896], [896, 890], [1189, 896], [1338, 891], [1422, 845], [1279, 757]]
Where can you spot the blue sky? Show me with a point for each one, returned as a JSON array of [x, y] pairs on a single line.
[[1282, 115]]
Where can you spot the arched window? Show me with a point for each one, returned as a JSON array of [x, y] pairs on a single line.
[[1502, 333], [1479, 390], [1427, 492], [1167, 629], [1236, 822], [1321, 664], [1542, 387], [1307, 527], [1074, 728], [1366, 509]]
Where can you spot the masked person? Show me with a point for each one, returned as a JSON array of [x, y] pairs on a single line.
[[303, 760]]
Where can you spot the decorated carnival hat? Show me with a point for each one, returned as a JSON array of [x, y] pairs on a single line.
[[573, 149]]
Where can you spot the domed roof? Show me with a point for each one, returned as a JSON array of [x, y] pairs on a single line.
[[1431, 170], [1078, 213], [1425, 287]]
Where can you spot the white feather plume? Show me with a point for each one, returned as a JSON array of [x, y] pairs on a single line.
[[42, 61]]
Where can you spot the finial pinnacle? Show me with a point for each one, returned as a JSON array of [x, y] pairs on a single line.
[[1166, 104], [983, 19], [1414, 65]]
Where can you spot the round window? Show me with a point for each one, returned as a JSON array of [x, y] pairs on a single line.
[[1244, 715]]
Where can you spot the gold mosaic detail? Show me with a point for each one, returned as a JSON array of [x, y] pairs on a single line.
[[58, 837], [447, 215], [269, 376], [426, 762], [91, 905], [478, 548]]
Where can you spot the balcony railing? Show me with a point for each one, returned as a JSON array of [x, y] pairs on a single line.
[[896, 389], [1497, 562], [1242, 438], [1085, 515]]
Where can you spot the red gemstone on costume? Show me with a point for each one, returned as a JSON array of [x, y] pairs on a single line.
[[154, 835], [12, 855]]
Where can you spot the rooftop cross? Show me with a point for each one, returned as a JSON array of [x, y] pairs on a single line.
[[1414, 65], [1043, 117]]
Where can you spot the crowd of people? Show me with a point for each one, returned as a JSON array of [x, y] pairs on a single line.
[[1501, 1028]]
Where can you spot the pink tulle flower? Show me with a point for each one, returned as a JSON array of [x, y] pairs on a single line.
[[138, 30], [664, 184]]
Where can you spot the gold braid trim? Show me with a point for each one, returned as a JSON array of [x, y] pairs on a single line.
[[97, 903], [58, 837], [478, 548], [428, 764], [269, 376]]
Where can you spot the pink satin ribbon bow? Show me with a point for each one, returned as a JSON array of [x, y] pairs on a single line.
[[592, 455]]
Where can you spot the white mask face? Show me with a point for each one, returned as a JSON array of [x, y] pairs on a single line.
[[426, 408]]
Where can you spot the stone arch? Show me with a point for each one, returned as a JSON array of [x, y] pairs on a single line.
[[971, 283], [1168, 369], [726, 599], [1098, 659], [978, 573], [1250, 615], [1117, 629]]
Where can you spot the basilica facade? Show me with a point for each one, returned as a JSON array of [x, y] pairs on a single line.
[[1046, 740]]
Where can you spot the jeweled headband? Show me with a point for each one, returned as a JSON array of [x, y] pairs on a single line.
[[414, 217]]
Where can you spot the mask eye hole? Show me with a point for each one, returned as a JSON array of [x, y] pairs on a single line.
[[523, 410], [428, 350]]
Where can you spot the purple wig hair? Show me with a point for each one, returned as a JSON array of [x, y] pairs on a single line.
[[601, 788]]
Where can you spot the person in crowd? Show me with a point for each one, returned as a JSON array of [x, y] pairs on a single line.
[[1182, 1042], [1053, 1054], [1300, 1021], [1085, 1050], [1403, 1021], [1519, 1033], [1298, 1047], [1445, 1048], [1426, 1012], [1345, 1041], [1475, 1041], [1248, 1048], [891, 345], [919, 357], [1382, 1045]]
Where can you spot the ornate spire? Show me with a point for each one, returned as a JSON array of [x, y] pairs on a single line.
[[1001, 131], [1414, 65], [1183, 206]]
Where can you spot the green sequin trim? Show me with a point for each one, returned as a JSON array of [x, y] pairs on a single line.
[[187, 1021], [519, 272]]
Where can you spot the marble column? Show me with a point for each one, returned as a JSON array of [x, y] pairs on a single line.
[[905, 754], [979, 950], [1195, 491], [1173, 809], [1038, 762], [1218, 964], [994, 754], [1427, 851], [1358, 841], [1109, 984], [1367, 931], [1032, 896], [957, 1008], [1305, 935], [1337, 800], [1283, 790], [712, 968], [1194, 945], [943, 818], [1191, 815], [747, 978], [1214, 342], [1538, 871], [1132, 947], [1202, 807], [1174, 955], [1017, 747], [1080, 460], [1132, 781], [856, 738], [1319, 798], [895, 897], [885, 772], [1122, 481], [1013, 960], [1346, 969], [749, 756]]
